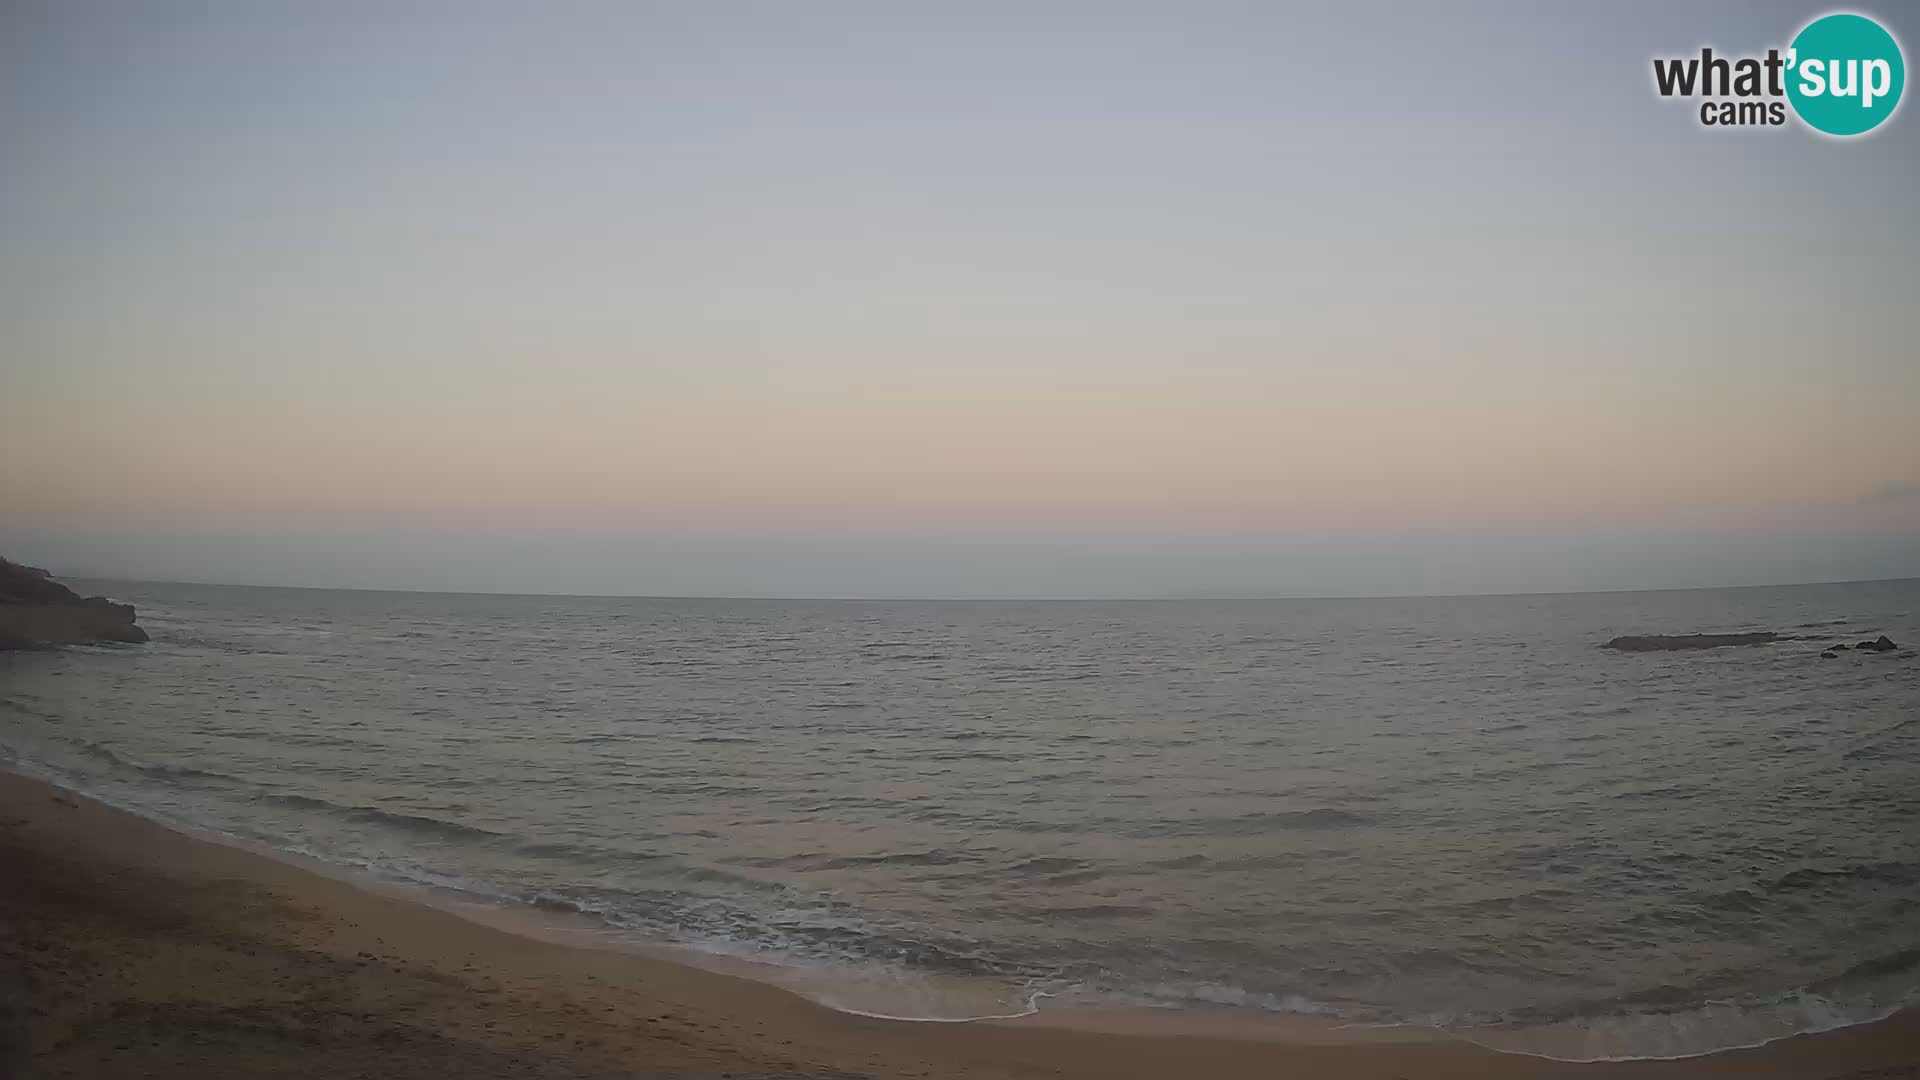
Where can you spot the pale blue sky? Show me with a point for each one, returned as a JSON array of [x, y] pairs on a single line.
[[833, 299]]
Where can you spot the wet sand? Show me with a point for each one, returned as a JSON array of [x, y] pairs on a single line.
[[131, 950]]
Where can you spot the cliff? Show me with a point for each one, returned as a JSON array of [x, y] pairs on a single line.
[[37, 610]]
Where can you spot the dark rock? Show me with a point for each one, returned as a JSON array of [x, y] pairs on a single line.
[[1670, 643], [1882, 644], [29, 585], [1828, 655], [36, 610]]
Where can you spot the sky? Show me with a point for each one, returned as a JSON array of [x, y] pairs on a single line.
[[832, 299]]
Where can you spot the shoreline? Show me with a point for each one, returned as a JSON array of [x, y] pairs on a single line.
[[858, 991], [851, 990], [132, 947]]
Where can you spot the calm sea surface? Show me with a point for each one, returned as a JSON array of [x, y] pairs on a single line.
[[1452, 811]]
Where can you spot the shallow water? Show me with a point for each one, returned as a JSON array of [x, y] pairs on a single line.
[[1449, 811]]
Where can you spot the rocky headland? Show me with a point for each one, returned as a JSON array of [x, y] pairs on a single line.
[[37, 610]]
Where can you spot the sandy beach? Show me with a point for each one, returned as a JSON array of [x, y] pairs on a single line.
[[128, 949]]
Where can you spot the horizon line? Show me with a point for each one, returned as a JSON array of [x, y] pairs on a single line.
[[909, 599]]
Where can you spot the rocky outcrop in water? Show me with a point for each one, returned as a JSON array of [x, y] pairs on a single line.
[[37, 610], [1675, 642]]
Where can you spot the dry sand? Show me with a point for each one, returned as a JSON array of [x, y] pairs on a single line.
[[130, 950]]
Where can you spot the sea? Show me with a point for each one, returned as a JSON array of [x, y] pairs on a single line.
[[1456, 813]]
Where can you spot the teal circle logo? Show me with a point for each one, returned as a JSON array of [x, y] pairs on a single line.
[[1845, 74]]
